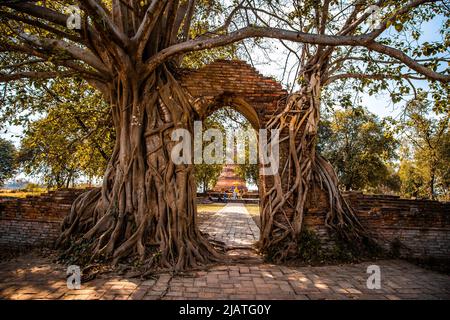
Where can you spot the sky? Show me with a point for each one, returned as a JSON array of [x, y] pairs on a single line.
[[273, 66], [379, 104]]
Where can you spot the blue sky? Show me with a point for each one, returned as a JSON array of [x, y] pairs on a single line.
[[379, 104]]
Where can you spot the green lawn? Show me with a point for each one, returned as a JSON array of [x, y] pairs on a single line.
[[210, 207], [253, 209], [205, 210], [19, 193]]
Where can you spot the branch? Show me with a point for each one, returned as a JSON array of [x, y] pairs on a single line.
[[148, 23], [89, 74], [23, 63], [41, 12], [34, 75], [43, 26], [386, 22], [74, 51], [97, 11], [203, 43], [188, 19], [378, 76], [411, 63]]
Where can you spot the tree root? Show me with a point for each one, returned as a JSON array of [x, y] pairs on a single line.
[[145, 211], [284, 203]]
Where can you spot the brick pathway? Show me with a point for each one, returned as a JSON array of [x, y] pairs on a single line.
[[233, 226], [35, 277]]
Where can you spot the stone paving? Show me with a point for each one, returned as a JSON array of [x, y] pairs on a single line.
[[233, 226], [34, 276]]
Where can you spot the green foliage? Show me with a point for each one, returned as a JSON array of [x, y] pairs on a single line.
[[7, 160], [33, 187], [424, 169], [74, 137], [229, 121], [249, 172], [360, 147], [205, 174], [310, 248]]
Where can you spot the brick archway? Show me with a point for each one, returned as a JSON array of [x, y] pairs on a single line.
[[236, 84]]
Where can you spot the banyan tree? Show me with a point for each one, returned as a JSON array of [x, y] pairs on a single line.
[[131, 50]]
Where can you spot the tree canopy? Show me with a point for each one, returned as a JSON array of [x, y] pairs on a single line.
[[74, 137], [425, 169], [7, 160], [38, 30], [359, 146]]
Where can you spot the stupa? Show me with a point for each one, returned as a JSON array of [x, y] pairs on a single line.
[[228, 180]]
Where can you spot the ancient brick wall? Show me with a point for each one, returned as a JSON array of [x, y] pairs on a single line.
[[238, 85], [421, 226], [413, 228], [36, 220]]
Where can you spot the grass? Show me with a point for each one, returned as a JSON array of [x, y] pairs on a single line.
[[253, 209], [205, 210], [210, 207], [20, 193]]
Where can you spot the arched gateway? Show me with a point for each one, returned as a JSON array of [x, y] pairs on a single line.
[[258, 98], [238, 85], [235, 84]]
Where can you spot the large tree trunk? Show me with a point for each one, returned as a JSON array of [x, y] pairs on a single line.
[[146, 205], [302, 170]]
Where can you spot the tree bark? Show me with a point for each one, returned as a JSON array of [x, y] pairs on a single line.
[[146, 205], [432, 181], [302, 171]]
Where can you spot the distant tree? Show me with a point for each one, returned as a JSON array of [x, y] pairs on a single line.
[[443, 168], [73, 139], [249, 172], [207, 175], [426, 126], [360, 147], [7, 160], [412, 180]]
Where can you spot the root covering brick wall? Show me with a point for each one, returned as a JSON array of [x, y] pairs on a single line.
[[36, 220], [421, 226]]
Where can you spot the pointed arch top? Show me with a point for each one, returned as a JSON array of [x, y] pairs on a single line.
[[236, 84]]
